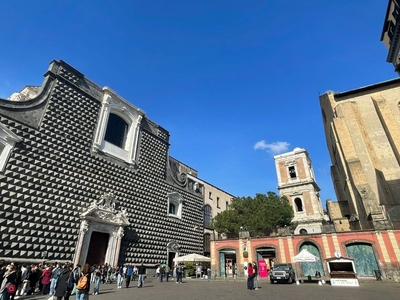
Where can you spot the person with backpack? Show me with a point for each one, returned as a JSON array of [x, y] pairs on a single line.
[[76, 273], [162, 273], [83, 284]]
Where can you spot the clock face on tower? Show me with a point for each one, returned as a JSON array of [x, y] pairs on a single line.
[[337, 254]]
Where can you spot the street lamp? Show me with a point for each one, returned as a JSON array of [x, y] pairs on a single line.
[[44, 254]]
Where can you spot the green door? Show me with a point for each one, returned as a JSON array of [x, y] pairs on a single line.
[[365, 260], [222, 264], [311, 268]]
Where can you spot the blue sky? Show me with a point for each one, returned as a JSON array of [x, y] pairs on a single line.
[[221, 76]]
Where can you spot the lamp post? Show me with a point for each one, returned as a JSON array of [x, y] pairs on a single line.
[[44, 254]]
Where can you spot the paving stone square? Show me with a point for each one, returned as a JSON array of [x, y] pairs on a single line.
[[200, 289]]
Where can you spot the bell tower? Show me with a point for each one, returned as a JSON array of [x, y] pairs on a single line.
[[296, 181]]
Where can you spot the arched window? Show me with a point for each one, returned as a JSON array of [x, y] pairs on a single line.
[[207, 243], [207, 215], [299, 204], [303, 231], [118, 127], [117, 130]]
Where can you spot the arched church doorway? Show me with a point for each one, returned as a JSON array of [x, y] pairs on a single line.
[[311, 268], [365, 261], [97, 248], [101, 231]]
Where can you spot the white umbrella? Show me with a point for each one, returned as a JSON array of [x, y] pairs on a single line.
[[304, 257], [192, 258]]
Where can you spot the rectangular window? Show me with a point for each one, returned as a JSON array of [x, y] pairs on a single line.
[[210, 195], [292, 172], [174, 208], [218, 202], [226, 205]]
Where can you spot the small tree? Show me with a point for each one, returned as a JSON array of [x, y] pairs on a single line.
[[189, 266], [260, 215]]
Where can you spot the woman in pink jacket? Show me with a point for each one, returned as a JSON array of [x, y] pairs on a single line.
[[46, 277]]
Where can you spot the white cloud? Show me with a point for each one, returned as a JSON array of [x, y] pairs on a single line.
[[273, 148]]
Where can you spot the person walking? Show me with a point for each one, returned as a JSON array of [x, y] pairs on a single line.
[[167, 271], [10, 278], [135, 273], [46, 277], [97, 279], [128, 275], [33, 279], [76, 275], [162, 273], [158, 273], [255, 280], [55, 275], [61, 287], [141, 274], [179, 273], [120, 277], [83, 284], [250, 277]]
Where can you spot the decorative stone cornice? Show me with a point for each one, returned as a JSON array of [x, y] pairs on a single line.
[[104, 211]]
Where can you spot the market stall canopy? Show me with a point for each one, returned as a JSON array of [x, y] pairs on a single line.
[[305, 256], [192, 258]]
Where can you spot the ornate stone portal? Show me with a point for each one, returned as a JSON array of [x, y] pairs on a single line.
[[103, 217]]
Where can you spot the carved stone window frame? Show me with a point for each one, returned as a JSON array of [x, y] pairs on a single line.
[[175, 199], [7, 142], [112, 103]]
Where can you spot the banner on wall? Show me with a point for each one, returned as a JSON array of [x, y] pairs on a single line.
[[262, 268]]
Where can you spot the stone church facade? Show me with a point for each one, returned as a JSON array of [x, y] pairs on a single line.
[[362, 130], [87, 177]]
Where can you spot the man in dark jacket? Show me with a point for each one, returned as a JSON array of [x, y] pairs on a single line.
[[142, 274], [64, 284]]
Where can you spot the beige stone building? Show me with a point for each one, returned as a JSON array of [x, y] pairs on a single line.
[[215, 201], [296, 181], [362, 129], [391, 32]]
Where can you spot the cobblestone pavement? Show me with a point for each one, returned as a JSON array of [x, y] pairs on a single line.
[[198, 289]]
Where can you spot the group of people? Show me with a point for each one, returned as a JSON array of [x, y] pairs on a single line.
[[17, 280], [60, 281], [252, 273], [164, 272]]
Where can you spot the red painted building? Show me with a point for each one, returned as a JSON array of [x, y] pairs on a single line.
[[373, 251]]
